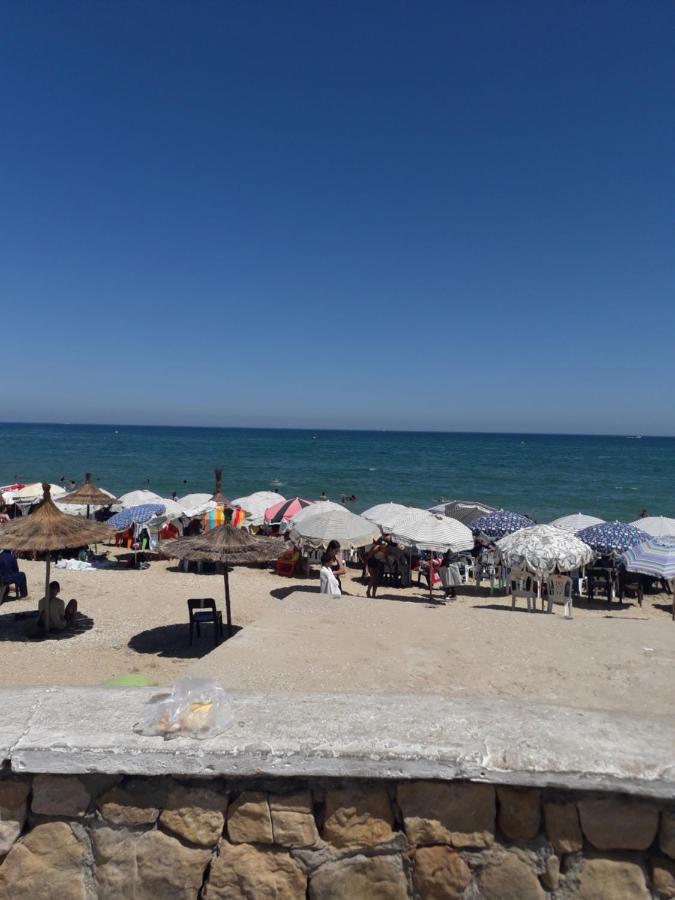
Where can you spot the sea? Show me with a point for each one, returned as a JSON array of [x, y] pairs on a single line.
[[541, 475]]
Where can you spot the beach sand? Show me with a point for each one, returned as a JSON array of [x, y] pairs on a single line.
[[139, 625]]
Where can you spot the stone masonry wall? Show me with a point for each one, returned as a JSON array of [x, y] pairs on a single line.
[[78, 838]]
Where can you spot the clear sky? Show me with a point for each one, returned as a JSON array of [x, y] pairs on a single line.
[[446, 215]]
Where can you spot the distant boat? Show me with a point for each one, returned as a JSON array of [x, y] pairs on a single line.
[[634, 437], [276, 482]]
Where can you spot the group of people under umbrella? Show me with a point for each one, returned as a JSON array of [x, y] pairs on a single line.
[[646, 546]]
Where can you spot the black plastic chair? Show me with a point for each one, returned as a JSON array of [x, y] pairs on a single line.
[[203, 611]]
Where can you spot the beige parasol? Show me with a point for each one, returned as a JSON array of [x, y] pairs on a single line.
[[88, 495], [47, 529], [227, 546]]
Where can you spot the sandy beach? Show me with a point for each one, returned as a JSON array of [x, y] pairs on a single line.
[[609, 658]]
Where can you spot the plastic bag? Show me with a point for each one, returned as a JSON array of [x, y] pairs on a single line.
[[196, 707]]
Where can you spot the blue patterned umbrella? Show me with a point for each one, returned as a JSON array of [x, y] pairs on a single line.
[[611, 537], [655, 557], [497, 524], [135, 515]]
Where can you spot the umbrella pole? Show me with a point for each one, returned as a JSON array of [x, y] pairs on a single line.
[[47, 604], [87, 510], [228, 611]]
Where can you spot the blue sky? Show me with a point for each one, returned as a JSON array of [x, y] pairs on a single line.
[[446, 215]]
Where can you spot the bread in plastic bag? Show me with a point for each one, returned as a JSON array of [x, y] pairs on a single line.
[[195, 707]]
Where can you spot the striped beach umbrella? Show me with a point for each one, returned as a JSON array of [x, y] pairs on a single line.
[[135, 515], [285, 510], [655, 557], [612, 537], [497, 524], [426, 531], [386, 515]]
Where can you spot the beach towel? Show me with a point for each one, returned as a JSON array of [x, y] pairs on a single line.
[[329, 583]]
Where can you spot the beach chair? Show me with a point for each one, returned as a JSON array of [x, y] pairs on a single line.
[[521, 589], [630, 581], [559, 590], [203, 612], [489, 568]]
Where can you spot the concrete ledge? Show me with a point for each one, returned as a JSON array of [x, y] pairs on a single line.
[[90, 730]]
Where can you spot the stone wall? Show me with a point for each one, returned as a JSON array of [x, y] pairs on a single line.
[[101, 836]]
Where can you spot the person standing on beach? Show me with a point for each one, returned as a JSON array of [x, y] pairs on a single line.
[[375, 560], [449, 574]]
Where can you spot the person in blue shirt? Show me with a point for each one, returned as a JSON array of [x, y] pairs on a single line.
[[10, 574]]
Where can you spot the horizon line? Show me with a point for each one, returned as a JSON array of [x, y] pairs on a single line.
[[632, 435]]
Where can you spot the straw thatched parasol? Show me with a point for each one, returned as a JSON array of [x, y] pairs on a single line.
[[47, 529], [88, 495], [227, 546], [218, 496]]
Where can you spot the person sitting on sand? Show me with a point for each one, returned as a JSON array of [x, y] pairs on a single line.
[[60, 615], [10, 574]]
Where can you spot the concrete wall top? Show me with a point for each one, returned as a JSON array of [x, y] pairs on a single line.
[[90, 730]]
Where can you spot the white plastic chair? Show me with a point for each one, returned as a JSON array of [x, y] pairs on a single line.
[[521, 589], [559, 589], [490, 568]]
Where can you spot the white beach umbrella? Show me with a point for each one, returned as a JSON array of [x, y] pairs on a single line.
[[319, 527], [424, 530], [137, 498], [386, 515], [656, 526], [196, 504], [255, 504], [544, 548], [33, 493], [575, 522], [319, 507]]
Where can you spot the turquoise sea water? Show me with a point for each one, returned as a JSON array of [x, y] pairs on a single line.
[[541, 475]]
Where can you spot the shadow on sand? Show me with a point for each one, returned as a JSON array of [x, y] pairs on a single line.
[[21, 627], [173, 641]]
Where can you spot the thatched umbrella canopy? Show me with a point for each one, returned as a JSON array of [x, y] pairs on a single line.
[[47, 529], [88, 495], [227, 546], [218, 496]]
